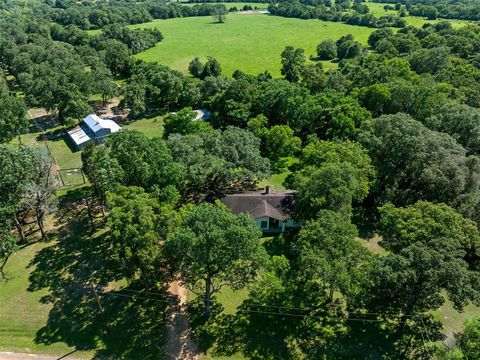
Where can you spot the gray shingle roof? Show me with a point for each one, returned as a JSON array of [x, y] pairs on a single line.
[[274, 204]]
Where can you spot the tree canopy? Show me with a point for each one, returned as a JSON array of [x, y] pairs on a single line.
[[216, 248]]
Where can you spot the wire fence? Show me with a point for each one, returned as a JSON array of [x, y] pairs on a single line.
[[71, 177]]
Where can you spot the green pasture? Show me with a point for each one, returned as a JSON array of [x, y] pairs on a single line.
[[418, 21], [251, 43]]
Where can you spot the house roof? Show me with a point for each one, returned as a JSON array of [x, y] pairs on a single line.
[[79, 135], [274, 204], [96, 123]]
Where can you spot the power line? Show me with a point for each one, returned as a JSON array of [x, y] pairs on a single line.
[[422, 326], [289, 307], [255, 311]]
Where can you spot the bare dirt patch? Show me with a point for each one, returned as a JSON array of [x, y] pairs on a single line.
[[180, 345]]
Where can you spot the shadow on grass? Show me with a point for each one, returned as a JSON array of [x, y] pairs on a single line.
[[43, 122], [66, 269], [278, 336], [60, 135], [285, 333]]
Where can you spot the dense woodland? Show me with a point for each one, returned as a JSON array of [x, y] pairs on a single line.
[[356, 14], [449, 9], [387, 144]]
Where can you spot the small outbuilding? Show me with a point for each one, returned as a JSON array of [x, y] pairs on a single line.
[[271, 209], [202, 114], [92, 128]]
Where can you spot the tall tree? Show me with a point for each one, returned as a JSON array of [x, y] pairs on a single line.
[[293, 62], [104, 83], [145, 162], [39, 195], [219, 13], [327, 50], [183, 123], [17, 171], [430, 224], [214, 248], [103, 171], [416, 163], [138, 225], [469, 340], [331, 176], [330, 256], [13, 117], [434, 257], [218, 162], [211, 68], [134, 93], [277, 142], [195, 67], [8, 245]]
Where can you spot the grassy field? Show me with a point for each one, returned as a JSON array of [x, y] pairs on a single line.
[[418, 21], [22, 312], [251, 43]]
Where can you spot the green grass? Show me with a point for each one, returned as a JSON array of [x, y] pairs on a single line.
[[278, 177], [22, 312], [378, 10], [373, 244], [417, 21], [151, 127], [251, 43], [454, 320]]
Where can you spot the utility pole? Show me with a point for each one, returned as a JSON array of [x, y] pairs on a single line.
[[100, 308]]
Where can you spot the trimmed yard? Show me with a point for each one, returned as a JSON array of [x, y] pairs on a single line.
[[22, 312]]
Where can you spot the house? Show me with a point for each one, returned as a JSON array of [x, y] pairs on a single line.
[[92, 128], [271, 209]]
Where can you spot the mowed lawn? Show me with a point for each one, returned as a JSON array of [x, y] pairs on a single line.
[[22, 312], [251, 43]]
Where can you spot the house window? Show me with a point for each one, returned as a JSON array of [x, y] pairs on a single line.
[[264, 224]]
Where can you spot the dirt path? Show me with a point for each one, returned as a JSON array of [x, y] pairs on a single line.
[[180, 345], [111, 111]]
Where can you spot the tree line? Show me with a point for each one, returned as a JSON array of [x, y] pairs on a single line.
[[447, 9], [358, 14], [97, 16]]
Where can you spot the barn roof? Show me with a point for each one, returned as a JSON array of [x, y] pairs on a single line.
[[79, 134], [96, 123]]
